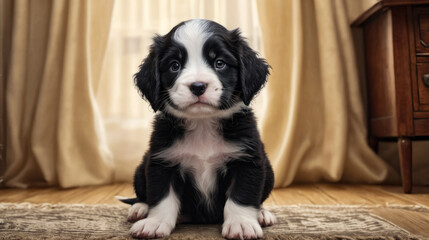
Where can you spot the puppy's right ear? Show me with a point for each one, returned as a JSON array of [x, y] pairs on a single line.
[[148, 78]]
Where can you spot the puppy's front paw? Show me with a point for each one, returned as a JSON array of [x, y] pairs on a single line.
[[266, 218], [151, 228], [137, 211], [242, 229]]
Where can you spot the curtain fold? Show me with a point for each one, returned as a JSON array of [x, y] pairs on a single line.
[[314, 129], [54, 132]]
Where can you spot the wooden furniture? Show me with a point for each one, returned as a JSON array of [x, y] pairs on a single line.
[[396, 38]]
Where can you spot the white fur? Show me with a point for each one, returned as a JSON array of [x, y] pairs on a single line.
[[161, 219], [207, 112], [266, 218], [240, 222], [121, 197], [202, 151], [137, 211], [193, 35]]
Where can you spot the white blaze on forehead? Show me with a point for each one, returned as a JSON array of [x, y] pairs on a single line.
[[193, 34]]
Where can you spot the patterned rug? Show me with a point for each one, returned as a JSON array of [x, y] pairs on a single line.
[[65, 221]]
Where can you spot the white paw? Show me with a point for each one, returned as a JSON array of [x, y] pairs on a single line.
[[150, 228], [242, 229], [266, 218], [137, 211]]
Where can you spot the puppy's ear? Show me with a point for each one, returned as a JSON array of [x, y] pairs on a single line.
[[253, 70], [148, 78]]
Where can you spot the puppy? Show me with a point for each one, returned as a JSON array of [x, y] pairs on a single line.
[[206, 162]]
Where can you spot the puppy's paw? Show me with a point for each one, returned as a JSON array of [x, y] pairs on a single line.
[[137, 211], [266, 218], [151, 228], [242, 229]]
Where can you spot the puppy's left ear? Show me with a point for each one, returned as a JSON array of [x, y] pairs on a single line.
[[148, 78], [253, 70]]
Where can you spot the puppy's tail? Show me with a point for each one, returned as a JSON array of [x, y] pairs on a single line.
[[126, 200]]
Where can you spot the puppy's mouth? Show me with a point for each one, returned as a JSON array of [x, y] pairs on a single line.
[[198, 104]]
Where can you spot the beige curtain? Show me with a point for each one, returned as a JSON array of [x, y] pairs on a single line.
[[314, 128], [54, 51]]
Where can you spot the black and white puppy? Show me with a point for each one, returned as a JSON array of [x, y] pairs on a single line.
[[206, 162]]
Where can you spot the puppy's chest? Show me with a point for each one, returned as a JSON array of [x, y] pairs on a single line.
[[203, 152], [202, 142]]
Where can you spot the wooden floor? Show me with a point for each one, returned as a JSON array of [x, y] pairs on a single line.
[[313, 194]]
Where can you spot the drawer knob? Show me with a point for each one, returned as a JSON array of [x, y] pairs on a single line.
[[426, 80]]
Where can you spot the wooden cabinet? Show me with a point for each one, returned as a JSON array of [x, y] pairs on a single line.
[[422, 94], [396, 38], [421, 29], [420, 20]]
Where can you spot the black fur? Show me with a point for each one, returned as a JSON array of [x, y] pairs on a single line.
[[148, 79], [251, 179], [247, 180]]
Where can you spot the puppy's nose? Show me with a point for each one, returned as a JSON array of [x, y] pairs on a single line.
[[198, 88]]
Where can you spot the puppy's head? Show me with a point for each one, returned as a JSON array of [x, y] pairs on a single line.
[[200, 69]]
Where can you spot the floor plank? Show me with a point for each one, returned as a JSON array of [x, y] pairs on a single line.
[[420, 195], [320, 193], [414, 222], [301, 194]]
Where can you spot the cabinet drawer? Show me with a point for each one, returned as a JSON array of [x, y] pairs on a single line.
[[421, 29], [423, 84]]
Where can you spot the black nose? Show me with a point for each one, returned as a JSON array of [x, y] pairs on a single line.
[[198, 88]]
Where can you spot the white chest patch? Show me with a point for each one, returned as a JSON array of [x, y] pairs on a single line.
[[202, 151]]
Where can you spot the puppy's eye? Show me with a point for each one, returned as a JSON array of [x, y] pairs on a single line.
[[175, 66], [219, 64]]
